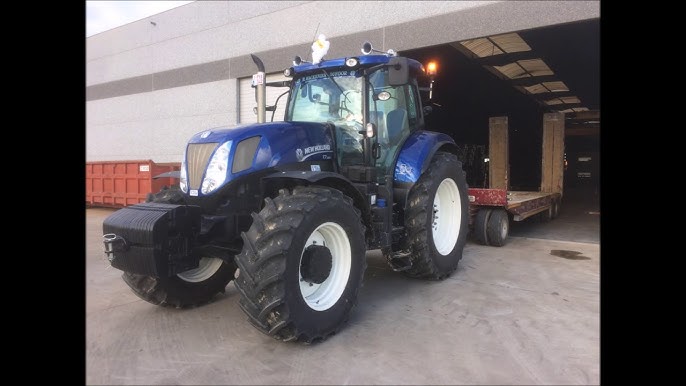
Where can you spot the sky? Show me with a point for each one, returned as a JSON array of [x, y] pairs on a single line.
[[105, 15]]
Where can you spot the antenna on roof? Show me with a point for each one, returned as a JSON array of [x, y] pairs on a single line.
[[315, 31]]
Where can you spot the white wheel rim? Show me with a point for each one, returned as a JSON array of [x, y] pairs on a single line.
[[504, 224], [446, 216], [321, 297], [207, 266]]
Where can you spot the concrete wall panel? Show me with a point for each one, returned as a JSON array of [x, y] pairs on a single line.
[[156, 125], [199, 33], [492, 19], [127, 64]]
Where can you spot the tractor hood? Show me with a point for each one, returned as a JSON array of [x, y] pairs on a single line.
[[250, 148]]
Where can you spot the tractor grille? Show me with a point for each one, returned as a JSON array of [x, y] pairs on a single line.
[[197, 157]]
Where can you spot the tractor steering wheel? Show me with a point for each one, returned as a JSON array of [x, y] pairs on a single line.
[[350, 113]]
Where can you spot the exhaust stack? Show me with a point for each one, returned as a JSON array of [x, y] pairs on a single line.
[[258, 82]]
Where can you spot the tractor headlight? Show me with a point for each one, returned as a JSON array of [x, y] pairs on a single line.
[[183, 178], [352, 62], [215, 175]]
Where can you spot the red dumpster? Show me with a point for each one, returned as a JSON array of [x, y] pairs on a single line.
[[120, 183]]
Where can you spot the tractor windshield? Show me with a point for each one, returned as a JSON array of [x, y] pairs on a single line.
[[317, 98], [334, 97]]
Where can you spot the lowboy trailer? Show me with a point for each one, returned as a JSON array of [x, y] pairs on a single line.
[[492, 208]]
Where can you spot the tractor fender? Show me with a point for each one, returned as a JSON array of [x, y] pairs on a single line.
[[416, 154], [414, 158], [287, 179]]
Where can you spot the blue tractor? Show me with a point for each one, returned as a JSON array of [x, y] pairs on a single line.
[[288, 209]]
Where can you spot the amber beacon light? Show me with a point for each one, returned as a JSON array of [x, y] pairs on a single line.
[[431, 69]]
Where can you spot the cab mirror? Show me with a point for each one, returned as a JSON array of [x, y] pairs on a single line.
[[398, 71]]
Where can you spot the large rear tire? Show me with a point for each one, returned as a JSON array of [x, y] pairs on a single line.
[[437, 218], [191, 288], [302, 264]]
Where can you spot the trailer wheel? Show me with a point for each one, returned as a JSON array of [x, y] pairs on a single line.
[[546, 215], [191, 288], [302, 264], [480, 226], [555, 208], [498, 228], [437, 218]]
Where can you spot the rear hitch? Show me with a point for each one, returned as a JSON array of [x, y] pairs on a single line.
[[113, 243]]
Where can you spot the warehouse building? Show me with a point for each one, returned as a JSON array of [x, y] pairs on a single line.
[[153, 83]]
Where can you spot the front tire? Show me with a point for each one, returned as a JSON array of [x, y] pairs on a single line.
[[187, 289], [302, 264], [437, 218], [191, 288]]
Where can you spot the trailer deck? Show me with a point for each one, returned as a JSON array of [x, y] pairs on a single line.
[[527, 204], [521, 204]]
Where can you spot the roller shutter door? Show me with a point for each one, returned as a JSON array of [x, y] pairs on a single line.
[[247, 99]]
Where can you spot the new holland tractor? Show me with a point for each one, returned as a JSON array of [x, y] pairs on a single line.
[[288, 209]]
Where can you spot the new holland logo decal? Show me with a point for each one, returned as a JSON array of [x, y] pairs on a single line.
[[305, 153]]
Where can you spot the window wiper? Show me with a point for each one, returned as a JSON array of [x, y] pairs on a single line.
[[337, 85]]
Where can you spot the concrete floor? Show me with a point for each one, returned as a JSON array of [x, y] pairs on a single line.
[[510, 315]]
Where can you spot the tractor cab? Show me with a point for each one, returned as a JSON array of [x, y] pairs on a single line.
[[371, 102]]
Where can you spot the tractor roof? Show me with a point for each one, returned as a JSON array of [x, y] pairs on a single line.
[[365, 61]]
